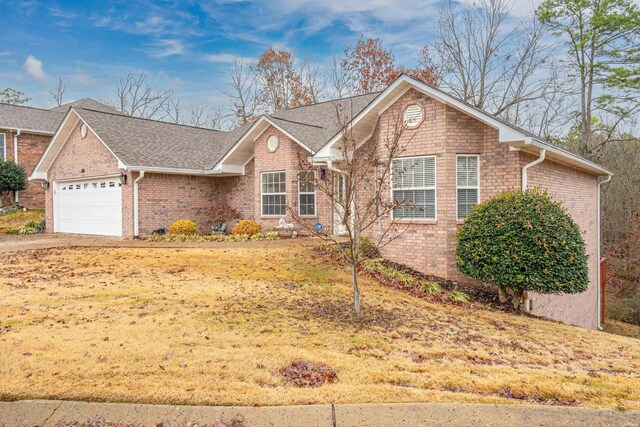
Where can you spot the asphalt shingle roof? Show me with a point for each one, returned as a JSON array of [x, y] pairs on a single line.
[[315, 124], [151, 143], [41, 119], [36, 119]]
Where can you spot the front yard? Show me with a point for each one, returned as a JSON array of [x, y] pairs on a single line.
[[216, 326]]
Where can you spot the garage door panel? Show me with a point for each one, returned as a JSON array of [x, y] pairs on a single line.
[[90, 207]]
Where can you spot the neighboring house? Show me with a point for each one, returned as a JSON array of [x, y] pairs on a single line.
[[25, 133], [116, 175]]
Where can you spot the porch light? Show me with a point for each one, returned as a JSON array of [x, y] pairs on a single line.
[[123, 178], [45, 185], [323, 173]]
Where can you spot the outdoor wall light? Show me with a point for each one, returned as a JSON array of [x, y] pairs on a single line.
[[323, 173], [45, 184], [123, 178]]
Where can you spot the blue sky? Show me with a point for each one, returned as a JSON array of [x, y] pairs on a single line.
[[187, 45]]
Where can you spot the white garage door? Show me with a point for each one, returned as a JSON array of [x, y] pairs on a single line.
[[89, 207]]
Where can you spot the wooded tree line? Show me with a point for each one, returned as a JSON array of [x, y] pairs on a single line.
[[570, 72]]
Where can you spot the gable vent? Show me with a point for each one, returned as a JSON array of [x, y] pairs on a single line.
[[272, 143], [412, 115]]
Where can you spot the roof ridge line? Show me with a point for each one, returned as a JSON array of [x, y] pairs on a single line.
[[293, 121], [30, 107], [117, 113], [328, 100]]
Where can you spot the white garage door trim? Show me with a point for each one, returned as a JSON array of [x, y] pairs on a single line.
[[88, 206]]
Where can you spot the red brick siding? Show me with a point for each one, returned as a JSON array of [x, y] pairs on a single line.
[[83, 158], [238, 191], [290, 158], [444, 132], [30, 149], [164, 199], [578, 192]]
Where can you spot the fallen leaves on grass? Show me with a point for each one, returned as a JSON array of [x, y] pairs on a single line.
[[308, 374]]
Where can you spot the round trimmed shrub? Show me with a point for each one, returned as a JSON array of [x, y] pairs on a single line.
[[183, 226], [523, 241], [246, 227]]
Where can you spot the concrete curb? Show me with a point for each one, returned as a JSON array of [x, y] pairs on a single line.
[[49, 413]]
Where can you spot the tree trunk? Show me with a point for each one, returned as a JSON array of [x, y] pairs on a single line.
[[516, 299], [502, 295], [356, 289]]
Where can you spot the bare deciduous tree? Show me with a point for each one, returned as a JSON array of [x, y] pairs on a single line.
[[58, 91], [487, 62], [357, 186], [337, 79], [135, 96], [242, 90]]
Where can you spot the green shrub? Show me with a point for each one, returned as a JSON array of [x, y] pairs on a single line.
[[523, 241], [183, 226], [11, 179], [246, 227], [458, 297], [31, 227], [429, 287]]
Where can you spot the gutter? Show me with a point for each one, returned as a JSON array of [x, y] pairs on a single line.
[[526, 167], [15, 159], [136, 224], [599, 309]]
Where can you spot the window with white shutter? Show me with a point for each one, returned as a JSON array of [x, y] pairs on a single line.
[[467, 183], [413, 187]]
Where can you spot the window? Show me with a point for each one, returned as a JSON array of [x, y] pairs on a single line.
[[467, 183], [306, 193], [274, 193], [3, 146], [413, 187]]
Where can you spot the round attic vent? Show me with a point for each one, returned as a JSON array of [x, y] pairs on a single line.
[[272, 143], [83, 130], [412, 115]]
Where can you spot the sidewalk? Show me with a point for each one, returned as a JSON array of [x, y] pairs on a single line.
[[52, 413]]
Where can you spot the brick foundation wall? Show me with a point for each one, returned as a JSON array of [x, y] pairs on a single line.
[[30, 149], [578, 192]]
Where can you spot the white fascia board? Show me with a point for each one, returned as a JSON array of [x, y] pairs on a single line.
[[563, 153], [262, 120]]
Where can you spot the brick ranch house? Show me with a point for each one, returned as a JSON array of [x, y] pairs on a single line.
[[111, 174], [25, 133]]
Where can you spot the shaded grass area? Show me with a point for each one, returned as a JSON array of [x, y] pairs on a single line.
[[622, 328], [217, 326], [19, 218]]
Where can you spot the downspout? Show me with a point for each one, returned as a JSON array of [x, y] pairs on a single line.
[[136, 224], [528, 303], [15, 159], [599, 311], [526, 167]]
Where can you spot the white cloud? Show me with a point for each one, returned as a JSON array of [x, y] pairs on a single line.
[[33, 67], [167, 47], [224, 58], [82, 79]]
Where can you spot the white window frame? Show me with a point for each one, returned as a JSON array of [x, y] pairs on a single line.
[[262, 175], [434, 188], [467, 187], [300, 193], [4, 145]]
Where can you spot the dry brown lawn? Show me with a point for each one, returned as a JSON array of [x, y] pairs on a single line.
[[215, 326], [19, 218]]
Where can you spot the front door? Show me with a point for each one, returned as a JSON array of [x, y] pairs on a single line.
[[339, 197]]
